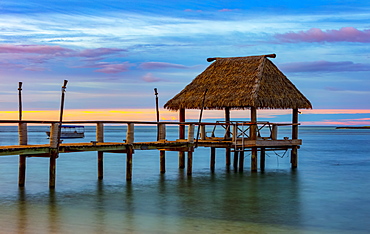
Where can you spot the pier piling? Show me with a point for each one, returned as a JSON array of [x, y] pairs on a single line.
[[100, 139]]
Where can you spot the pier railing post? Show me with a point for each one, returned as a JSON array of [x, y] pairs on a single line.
[[162, 154], [54, 143], [294, 152], [23, 140], [203, 132], [274, 132], [100, 138], [191, 133], [130, 133]]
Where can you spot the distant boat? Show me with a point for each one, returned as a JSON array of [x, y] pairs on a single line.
[[71, 131]]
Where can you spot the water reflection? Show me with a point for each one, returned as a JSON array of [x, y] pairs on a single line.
[[168, 203]]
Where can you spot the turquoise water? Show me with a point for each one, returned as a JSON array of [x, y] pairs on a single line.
[[328, 193]]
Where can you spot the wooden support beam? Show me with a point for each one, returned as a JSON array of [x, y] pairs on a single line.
[[100, 139], [254, 159], [54, 144], [182, 136], [129, 163], [161, 132], [213, 159], [294, 152], [253, 128], [227, 135], [130, 133], [190, 163], [203, 134], [23, 138], [162, 159], [262, 159], [241, 161], [191, 133], [236, 155]]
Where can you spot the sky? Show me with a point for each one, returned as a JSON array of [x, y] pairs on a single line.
[[114, 53]]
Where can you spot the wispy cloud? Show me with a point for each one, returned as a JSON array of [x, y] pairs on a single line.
[[161, 65], [324, 66], [149, 77], [345, 34]]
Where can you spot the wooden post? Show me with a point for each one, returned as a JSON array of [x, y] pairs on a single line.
[[241, 161], [253, 136], [129, 162], [100, 138], [54, 144], [162, 157], [236, 153], [254, 159], [227, 134], [182, 136], [161, 132], [213, 159], [162, 153], [253, 128], [22, 133], [130, 133], [191, 133], [190, 163], [274, 132], [203, 132], [294, 152], [262, 159]]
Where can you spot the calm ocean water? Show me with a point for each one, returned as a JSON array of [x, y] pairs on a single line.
[[328, 193]]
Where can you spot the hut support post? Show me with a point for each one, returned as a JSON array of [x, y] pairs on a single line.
[[236, 155], [213, 159], [100, 138], [262, 159], [182, 136], [241, 161], [253, 136], [22, 133], [162, 153], [54, 144], [294, 152], [227, 135], [190, 163]]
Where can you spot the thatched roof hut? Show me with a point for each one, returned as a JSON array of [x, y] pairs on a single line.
[[240, 83]]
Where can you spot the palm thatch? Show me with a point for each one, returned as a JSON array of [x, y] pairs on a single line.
[[240, 83]]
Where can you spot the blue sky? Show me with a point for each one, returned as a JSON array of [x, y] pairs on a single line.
[[113, 53]]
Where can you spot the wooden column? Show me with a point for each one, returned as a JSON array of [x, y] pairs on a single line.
[[228, 150], [181, 136], [254, 159], [130, 133], [129, 163], [100, 138], [191, 133], [213, 159], [241, 161], [54, 143], [203, 132], [190, 163], [22, 134], [236, 155], [294, 152], [253, 136], [262, 159], [162, 153]]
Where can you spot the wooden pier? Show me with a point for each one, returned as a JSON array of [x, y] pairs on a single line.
[[236, 137]]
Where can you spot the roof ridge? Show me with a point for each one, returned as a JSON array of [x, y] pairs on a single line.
[[264, 56]]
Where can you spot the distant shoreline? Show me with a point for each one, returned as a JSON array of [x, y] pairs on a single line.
[[363, 127]]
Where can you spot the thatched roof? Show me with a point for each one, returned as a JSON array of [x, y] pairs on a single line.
[[240, 83]]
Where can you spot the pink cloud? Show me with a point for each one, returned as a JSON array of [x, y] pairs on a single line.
[[111, 68], [347, 34], [225, 10], [324, 66], [161, 65], [150, 78]]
